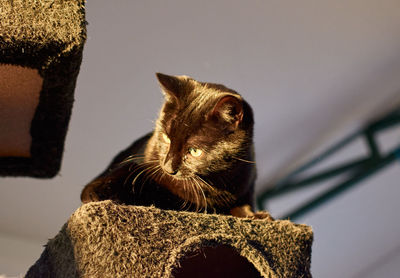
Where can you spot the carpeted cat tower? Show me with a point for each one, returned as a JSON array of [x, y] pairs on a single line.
[[41, 43], [103, 239]]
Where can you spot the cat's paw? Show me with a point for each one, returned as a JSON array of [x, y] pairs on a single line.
[[245, 211], [89, 195], [263, 215]]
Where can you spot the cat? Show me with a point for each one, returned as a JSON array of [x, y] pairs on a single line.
[[200, 156]]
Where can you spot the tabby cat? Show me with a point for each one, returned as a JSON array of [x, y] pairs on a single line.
[[200, 156]]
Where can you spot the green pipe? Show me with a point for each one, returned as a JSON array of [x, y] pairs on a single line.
[[285, 188], [373, 147], [375, 167], [331, 150], [362, 165]]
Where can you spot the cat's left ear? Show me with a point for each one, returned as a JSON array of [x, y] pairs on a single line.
[[228, 111], [170, 85]]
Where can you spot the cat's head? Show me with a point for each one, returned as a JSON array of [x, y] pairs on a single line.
[[202, 128]]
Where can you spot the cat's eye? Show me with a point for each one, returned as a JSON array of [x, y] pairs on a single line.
[[166, 138], [195, 152]]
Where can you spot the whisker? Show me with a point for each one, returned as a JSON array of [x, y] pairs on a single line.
[[133, 171], [128, 177], [244, 160], [189, 195], [130, 174], [221, 197], [147, 167], [195, 192], [159, 174], [205, 199], [185, 198], [131, 158], [142, 164], [135, 155], [148, 172], [200, 190], [151, 172], [209, 186]]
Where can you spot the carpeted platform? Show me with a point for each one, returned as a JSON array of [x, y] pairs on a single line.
[[41, 44], [103, 239]]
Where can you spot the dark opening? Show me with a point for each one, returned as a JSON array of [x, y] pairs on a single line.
[[221, 261]]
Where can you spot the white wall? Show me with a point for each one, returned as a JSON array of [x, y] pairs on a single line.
[[18, 254]]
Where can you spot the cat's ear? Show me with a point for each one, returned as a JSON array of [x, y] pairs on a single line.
[[170, 85], [228, 111]]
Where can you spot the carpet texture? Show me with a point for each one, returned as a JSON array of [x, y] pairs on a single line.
[[103, 239], [48, 38]]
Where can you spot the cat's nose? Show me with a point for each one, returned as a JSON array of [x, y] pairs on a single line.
[[169, 169], [172, 173]]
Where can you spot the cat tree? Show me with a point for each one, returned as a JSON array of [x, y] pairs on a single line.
[[41, 45], [103, 239]]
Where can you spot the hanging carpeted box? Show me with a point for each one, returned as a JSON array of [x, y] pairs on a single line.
[[103, 239], [41, 45]]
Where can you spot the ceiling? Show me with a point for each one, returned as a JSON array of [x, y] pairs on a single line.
[[313, 71]]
